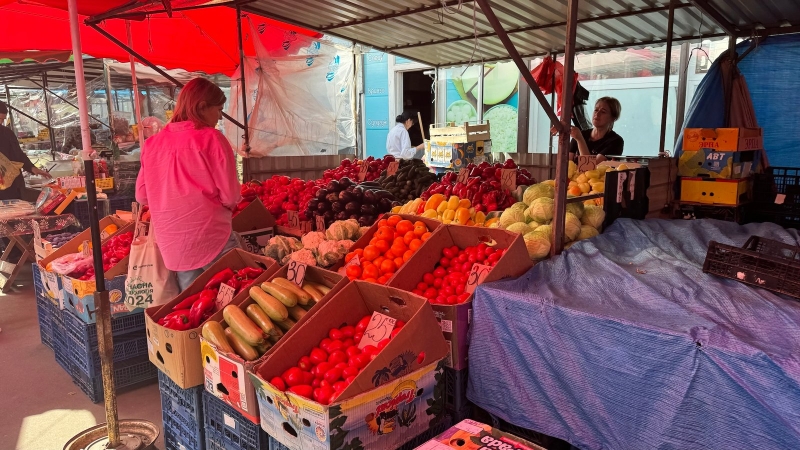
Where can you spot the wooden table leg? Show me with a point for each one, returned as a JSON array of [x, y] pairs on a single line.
[[9, 270]]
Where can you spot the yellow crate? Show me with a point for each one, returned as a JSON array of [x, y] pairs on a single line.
[[723, 139], [715, 192]]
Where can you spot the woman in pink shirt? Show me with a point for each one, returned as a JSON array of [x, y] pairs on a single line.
[[188, 179]]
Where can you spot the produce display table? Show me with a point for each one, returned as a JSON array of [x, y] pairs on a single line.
[[623, 342], [16, 230]]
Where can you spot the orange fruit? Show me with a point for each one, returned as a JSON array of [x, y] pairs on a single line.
[[399, 248], [408, 237], [404, 226], [353, 271], [386, 233], [425, 236], [420, 228], [414, 245], [371, 252], [382, 245], [388, 266], [383, 223], [370, 271], [399, 261], [378, 261], [394, 220], [389, 255]]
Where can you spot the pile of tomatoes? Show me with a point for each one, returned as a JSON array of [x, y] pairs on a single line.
[[393, 243], [329, 368], [446, 283]]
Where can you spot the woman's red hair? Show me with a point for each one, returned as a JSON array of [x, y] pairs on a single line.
[[194, 93]]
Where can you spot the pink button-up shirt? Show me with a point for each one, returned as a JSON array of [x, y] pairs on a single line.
[[188, 178]]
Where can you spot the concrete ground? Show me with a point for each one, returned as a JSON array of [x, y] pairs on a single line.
[[40, 407]]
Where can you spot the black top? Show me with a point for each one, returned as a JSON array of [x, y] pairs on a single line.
[[609, 145], [9, 147]]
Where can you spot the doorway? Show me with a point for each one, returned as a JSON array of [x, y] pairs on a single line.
[[418, 96]]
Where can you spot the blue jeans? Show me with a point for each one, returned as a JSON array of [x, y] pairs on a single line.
[[187, 277]]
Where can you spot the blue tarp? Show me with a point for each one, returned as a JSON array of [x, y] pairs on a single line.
[[624, 343]]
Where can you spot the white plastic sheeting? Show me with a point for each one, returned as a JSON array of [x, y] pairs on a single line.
[[300, 98]]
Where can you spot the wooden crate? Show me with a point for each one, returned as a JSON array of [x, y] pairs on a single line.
[[303, 167]]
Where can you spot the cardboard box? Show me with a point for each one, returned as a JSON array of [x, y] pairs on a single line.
[[471, 435], [255, 225], [52, 281], [177, 353], [723, 139], [226, 374], [716, 164], [405, 371], [715, 192], [455, 320]]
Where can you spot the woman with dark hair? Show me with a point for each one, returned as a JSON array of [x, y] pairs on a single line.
[[9, 147], [398, 143], [188, 179], [601, 140]]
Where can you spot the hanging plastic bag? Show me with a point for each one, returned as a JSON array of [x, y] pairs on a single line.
[[9, 171], [149, 282]]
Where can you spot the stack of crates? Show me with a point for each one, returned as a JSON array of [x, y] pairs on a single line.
[[78, 350], [227, 429], [46, 309], [182, 414], [716, 167]]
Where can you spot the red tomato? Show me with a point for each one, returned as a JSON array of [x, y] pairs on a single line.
[[319, 371], [341, 365], [333, 375], [362, 360], [315, 383], [444, 262], [429, 294], [349, 380], [494, 257], [394, 333], [337, 357], [340, 386], [382, 344], [280, 384], [363, 324], [369, 349], [348, 331], [302, 390], [293, 377], [422, 286], [420, 357], [399, 324], [439, 272], [357, 337], [325, 343], [335, 345], [439, 282], [428, 278], [348, 342], [449, 253], [463, 297], [350, 371], [305, 363], [324, 383], [452, 299], [335, 334], [308, 377], [318, 355], [353, 351]]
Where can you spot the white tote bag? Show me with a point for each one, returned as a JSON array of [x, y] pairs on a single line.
[[149, 281]]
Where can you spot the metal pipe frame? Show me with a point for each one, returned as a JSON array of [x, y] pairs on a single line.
[[107, 82], [67, 102], [8, 103], [16, 110], [543, 27], [49, 119], [526, 73], [242, 84], [146, 62], [665, 93], [562, 163], [680, 110], [122, 12], [715, 16], [406, 12]]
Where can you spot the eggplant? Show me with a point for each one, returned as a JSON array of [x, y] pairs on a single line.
[[366, 221], [341, 215], [352, 207], [321, 194], [369, 210], [358, 194], [354, 216], [337, 207], [346, 197], [312, 204], [379, 194], [346, 182], [329, 215], [384, 205], [370, 198], [332, 197], [333, 186], [323, 206]]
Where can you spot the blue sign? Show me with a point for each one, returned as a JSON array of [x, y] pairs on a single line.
[[376, 102]]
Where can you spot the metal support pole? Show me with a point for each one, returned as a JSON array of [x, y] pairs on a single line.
[[137, 106], [665, 93], [550, 146], [562, 163], [243, 89], [107, 80], [49, 119], [83, 107], [526, 73], [732, 74], [146, 62], [680, 110], [69, 103]]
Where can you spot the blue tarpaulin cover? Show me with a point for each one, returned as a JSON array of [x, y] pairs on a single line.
[[624, 343]]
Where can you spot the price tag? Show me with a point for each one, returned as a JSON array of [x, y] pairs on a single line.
[[296, 272], [463, 176], [391, 169], [620, 185], [476, 277], [86, 250], [508, 179], [305, 227], [71, 182], [294, 219], [779, 199], [632, 183], [362, 171], [225, 296], [320, 223], [380, 327], [587, 163], [354, 262], [37, 233]]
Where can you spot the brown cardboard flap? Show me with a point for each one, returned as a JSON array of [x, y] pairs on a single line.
[[254, 216], [85, 235]]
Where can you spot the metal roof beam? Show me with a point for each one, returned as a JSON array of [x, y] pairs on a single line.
[[393, 15], [715, 15], [773, 31], [544, 27]]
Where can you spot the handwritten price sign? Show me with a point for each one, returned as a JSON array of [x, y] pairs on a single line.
[[294, 219], [392, 168], [362, 171], [463, 176], [225, 296], [508, 179], [296, 272], [380, 327], [476, 277], [320, 223], [587, 163], [305, 227]]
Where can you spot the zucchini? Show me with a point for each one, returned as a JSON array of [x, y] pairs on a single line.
[[318, 286], [214, 333], [287, 324], [274, 308], [260, 318], [261, 349], [297, 312], [243, 326], [241, 347], [303, 297], [315, 293], [285, 296]]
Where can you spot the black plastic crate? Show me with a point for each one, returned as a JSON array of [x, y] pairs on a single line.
[[80, 209], [85, 334], [128, 374], [120, 202], [692, 211], [632, 193], [275, 445], [126, 346], [184, 406], [761, 262], [455, 390], [776, 197], [438, 428], [227, 429], [177, 437]]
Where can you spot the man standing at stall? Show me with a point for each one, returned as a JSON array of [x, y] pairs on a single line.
[[9, 147]]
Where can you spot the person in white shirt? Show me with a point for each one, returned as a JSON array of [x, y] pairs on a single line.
[[398, 143]]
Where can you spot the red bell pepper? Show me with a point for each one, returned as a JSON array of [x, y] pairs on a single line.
[[250, 272], [202, 306], [187, 302], [177, 320], [223, 276]]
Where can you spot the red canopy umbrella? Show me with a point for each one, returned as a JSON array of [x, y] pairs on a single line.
[[194, 40]]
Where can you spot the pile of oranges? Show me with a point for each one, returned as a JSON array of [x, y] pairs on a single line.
[[393, 243]]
